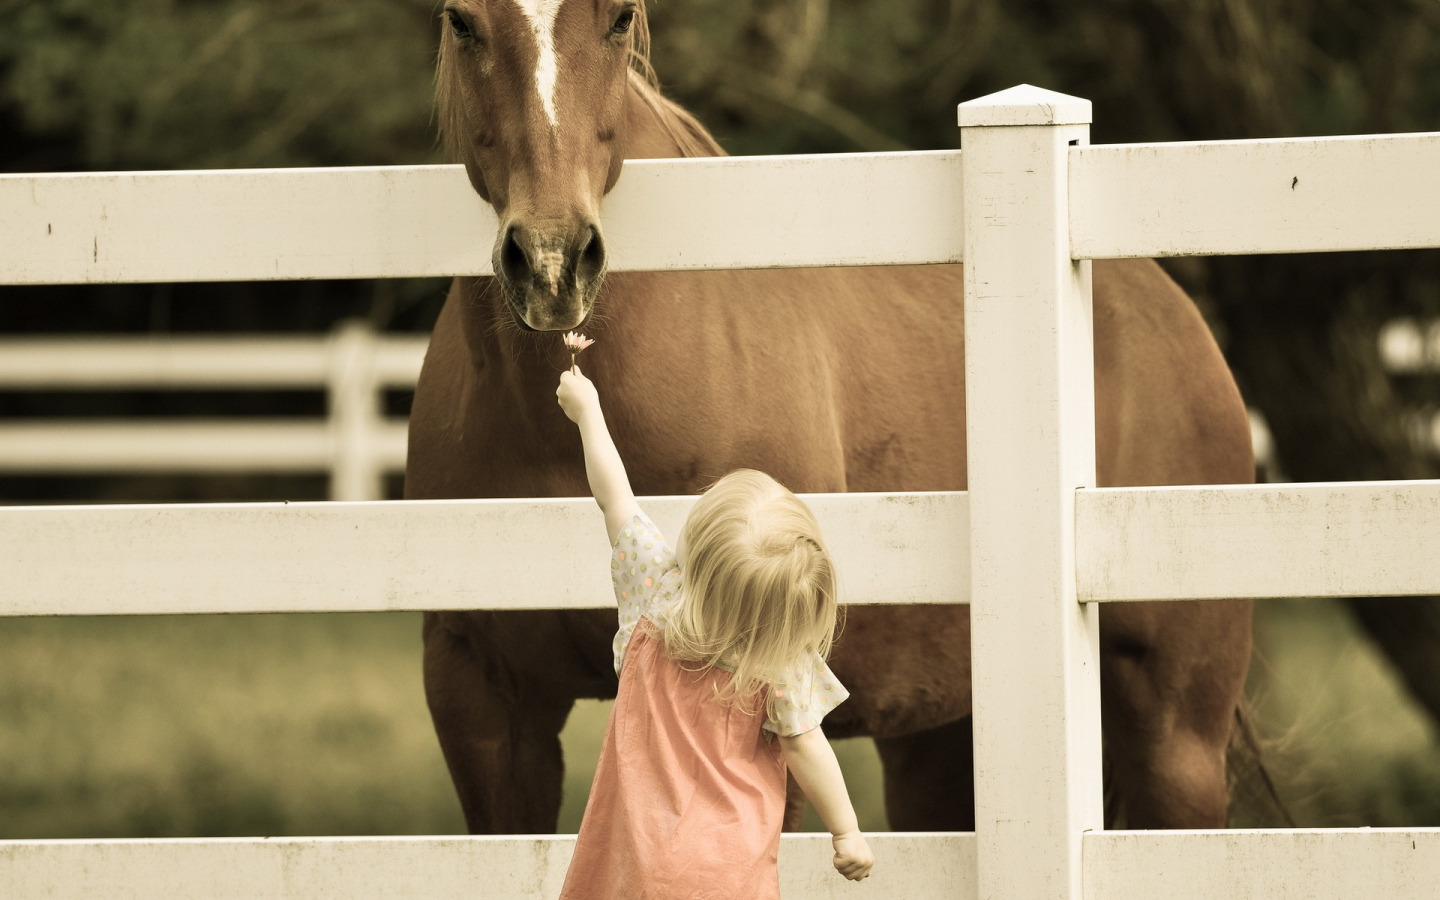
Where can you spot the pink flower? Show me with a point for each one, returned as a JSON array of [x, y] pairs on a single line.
[[575, 342]]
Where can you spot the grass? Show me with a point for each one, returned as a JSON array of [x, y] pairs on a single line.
[[1347, 743], [223, 725], [245, 725], [311, 725]]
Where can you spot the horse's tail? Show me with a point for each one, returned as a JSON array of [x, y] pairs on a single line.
[[1246, 762]]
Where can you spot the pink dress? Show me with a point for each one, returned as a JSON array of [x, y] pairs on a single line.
[[689, 792]]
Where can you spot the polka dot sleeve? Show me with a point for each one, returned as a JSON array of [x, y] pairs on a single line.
[[805, 697], [646, 579]]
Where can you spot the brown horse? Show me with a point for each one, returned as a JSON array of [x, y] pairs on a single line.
[[830, 379]]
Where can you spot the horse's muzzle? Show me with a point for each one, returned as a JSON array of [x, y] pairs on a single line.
[[550, 278]]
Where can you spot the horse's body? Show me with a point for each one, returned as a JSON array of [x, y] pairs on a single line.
[[830, 380]]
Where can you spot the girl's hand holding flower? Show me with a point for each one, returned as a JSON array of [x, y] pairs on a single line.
[[577, 395]]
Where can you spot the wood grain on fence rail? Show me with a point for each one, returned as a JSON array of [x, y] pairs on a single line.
[[430, 554], [410, 221], [1318, 864], [1346, 539], [1299, 195], [496, 868]]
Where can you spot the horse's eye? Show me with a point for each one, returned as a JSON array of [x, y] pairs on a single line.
[[623, 23], [458, 26]]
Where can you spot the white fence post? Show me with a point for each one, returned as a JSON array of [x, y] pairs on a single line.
[[355, 414], [1031, 443]]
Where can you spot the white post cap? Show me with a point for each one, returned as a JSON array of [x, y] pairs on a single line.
[[1025, 104]]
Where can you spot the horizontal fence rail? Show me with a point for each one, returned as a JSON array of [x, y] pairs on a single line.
[[1374, 192], [1319, 864], [1278, 196], [1134, 544], [1327, 864], [197, 363], [190, 446], [495, 868], [427, 554], [1275, 540], [411, 221]]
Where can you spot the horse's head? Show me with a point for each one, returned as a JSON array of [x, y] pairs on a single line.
[[531, 98]]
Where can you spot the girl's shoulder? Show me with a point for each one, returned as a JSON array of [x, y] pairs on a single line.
[[645, 578], [642, 565], [803, 696]]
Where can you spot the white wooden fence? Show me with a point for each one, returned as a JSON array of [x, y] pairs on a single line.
[[354, 442], [1025, 200]]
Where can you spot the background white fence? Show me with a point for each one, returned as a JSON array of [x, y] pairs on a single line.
[[1027, 198], [355, 443]]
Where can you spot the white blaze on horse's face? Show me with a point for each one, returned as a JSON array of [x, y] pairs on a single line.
[[532, 98], [542, 14]]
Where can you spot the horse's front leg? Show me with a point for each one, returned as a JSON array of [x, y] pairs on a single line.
[[500, 735], [1172, 676], [930, 778]]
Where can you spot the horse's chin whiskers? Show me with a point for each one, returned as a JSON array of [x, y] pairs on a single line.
[[599, 316], [495, 322]]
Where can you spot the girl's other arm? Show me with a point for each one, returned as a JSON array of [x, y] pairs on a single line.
[[603, 467], [812, 761]]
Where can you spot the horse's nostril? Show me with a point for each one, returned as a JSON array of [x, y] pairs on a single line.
[[514, 261], [590, 261]]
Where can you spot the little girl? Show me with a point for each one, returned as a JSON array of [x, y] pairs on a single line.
[[723, 684]]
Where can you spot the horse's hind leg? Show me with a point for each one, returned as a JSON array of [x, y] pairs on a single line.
[[930, 778], [1172, 676], [502, 747]]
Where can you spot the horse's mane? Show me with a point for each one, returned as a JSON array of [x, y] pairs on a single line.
[[448, 120], [677, 122]]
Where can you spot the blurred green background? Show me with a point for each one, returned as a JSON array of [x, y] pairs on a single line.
[[317, 724], [245, 725]]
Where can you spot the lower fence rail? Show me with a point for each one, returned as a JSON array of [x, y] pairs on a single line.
[[1265, 864], [915, 865], [1323, 864]]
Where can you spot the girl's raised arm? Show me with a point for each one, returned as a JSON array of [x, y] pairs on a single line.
[[609, 484]]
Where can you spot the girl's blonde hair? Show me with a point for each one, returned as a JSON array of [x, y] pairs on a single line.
[[758, 586]]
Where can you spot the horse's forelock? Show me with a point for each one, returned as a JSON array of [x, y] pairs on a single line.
[[640, 47], [688, 134], [448, 121]]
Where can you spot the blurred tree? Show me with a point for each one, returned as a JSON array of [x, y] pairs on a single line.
[[230, 83]]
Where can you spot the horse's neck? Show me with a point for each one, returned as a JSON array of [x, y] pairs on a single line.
[[659, 129]]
